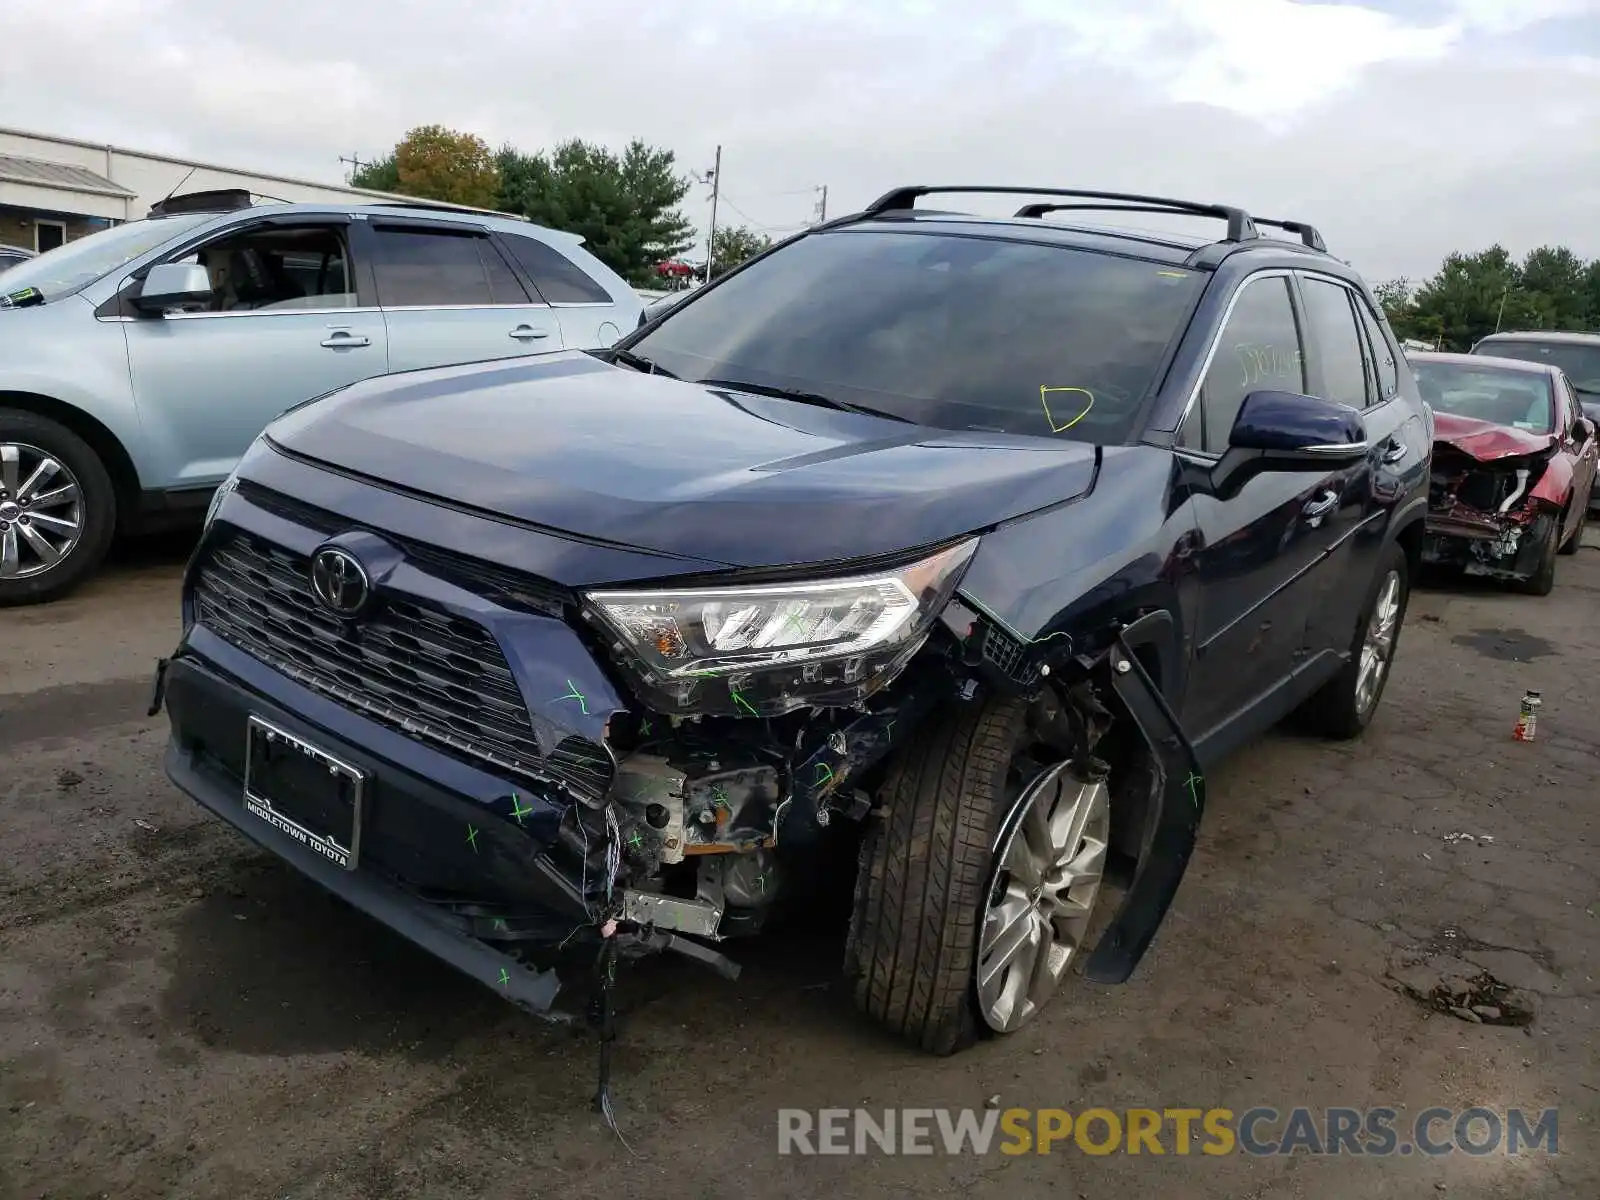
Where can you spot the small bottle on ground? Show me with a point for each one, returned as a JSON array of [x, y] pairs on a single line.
[[1527, 717]]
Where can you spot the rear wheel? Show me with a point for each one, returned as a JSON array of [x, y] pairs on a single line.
[[978, 880], [57, 509], [1344, 706]]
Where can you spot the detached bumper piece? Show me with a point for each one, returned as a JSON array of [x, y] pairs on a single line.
[[1177, 802]]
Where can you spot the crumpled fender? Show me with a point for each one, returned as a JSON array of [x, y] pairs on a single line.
[[1556, 482]]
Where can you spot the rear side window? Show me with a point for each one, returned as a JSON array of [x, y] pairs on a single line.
[[434, 268], [1332, 322], [557, 277], [1388, 370], [1259, 350]]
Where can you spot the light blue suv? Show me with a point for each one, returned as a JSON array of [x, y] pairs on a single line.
[[137, 364]]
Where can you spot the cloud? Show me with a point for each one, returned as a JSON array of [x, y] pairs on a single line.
[[1404, 130]]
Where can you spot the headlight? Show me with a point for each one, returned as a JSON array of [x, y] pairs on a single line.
[[776, 647]]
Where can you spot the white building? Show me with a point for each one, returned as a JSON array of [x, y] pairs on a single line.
[[55, 189]]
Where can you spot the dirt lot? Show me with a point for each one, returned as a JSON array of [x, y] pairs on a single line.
[[179, 1016]]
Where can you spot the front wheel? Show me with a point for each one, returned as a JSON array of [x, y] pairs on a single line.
[[57, 509], [1344, 706], [978, 879], [1543, 580]]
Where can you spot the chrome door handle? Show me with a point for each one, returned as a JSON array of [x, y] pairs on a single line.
[[1395, 451], [339, 339], [524, 332], [1321, 506]]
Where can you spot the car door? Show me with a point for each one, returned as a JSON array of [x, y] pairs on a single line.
[[589, 313], [1261, 532], [1351, 362], [289, 318], [449, 296]]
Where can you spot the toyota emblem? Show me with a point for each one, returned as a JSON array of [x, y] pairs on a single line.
[[340, 581]]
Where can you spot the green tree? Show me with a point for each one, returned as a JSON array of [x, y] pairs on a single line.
[[1554, 278], [732, 245], [1395, 295], [1471, 296], [624, 206], [380, 176]]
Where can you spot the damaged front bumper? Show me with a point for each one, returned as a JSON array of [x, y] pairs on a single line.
[[1487, 519]]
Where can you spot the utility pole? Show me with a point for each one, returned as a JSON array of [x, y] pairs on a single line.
[[1502, 311], [822, 203], [355, 164], [714, 178]]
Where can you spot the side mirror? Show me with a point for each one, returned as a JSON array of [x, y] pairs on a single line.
[[172, 285], [1288, 431], [1582, 431]]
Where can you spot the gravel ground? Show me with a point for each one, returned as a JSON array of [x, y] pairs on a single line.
[[181, 1016]]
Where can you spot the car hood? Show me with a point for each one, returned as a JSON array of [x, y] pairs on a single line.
[[574, 445], [1486, 441]]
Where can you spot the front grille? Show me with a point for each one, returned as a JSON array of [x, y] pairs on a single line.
[[510, 589], [416, 669]]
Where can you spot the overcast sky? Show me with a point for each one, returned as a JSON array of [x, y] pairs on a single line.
[[1403, 128]]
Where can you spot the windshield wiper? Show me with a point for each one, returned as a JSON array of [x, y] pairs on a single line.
[[639, 363], [803, 397]]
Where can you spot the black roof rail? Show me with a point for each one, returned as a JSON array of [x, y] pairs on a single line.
[[216, 200], [1308, 233], [1241, 227]]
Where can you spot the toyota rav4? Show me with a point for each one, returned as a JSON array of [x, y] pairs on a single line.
[[969, 541]]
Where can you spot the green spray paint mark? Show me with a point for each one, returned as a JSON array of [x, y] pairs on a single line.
[[719, 796], [505, 978], [738, 698], [472, 837], [824, 774], [574, 694], [636, 841], [517, 810], [644, 727], [500, 923], [1194, 783]]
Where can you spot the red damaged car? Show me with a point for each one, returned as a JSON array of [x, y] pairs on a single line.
[[1513, 464]]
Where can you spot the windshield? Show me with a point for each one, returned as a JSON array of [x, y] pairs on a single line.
[[1580, 362], [64, 270], [1503, 395], [956, 332]]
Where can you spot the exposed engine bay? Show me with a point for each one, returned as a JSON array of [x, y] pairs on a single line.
[[1484, 517]]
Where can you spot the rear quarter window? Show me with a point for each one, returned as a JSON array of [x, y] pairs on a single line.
[[558, 278]]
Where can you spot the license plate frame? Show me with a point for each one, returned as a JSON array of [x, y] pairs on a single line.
[[306, 757]]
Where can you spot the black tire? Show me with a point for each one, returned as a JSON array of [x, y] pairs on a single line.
[[97, 510], [925, 862], [1543, 580], [1573, 543], [1334, 710]]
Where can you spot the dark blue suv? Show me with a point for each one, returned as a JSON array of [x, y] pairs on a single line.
[[965, 544]]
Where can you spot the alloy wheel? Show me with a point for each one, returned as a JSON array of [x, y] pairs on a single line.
[[41, 511], [1051, 858], [1377, 647]]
